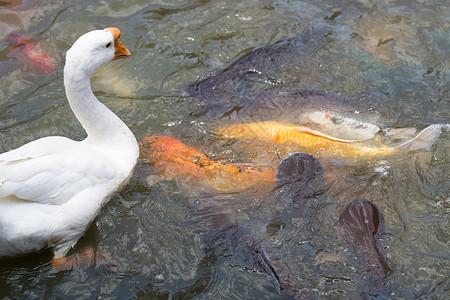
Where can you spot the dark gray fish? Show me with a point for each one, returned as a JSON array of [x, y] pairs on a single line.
[[286, 105], [257, 69], [245, 89], [243, 240], [358, 224], [299, 177]]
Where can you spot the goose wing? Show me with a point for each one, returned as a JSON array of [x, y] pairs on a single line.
[[54, 173]]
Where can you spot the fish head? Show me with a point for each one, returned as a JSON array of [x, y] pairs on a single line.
[[299, 177]]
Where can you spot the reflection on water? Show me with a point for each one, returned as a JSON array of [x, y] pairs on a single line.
[[166, 239]]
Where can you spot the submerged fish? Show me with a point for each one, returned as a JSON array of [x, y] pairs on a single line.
[[341, 126], [33, 54], [176, 161], [279, 133], [299, 178], [358, 224]]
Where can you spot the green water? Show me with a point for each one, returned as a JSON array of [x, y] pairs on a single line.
[[158, 246]]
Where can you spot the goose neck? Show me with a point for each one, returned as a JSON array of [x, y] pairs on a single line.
[[100, 124]]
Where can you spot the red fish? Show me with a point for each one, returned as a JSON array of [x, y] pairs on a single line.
[[33, 54], [174, 160]]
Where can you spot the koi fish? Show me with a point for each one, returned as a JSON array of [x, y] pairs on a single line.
[[340, 126], [311, 140], [33, 54], [350, 128], [175, 161]]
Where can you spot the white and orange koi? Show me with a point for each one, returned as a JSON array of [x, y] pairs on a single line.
[[312, 141]]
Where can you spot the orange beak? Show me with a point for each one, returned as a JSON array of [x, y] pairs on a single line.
[[121, 50]]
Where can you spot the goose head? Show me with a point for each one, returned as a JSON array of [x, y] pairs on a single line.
[[94, 49]]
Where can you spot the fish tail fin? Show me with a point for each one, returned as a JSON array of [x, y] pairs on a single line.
[[425, 139]]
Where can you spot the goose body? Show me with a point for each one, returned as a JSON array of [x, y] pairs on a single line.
[[53, 187]]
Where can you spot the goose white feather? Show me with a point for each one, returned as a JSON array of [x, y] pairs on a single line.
[[52, 188]]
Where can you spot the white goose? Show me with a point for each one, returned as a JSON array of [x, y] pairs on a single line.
[[52, 188]]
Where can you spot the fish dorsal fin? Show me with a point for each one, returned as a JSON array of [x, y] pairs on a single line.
[[318, 133]]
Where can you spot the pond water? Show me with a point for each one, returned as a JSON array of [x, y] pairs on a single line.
[[163, 239]]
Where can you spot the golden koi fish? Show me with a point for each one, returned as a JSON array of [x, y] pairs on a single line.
[[312, 141]]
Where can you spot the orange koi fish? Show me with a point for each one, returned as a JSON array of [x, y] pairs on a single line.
[[33, 54], [174, 160], [311, 140]]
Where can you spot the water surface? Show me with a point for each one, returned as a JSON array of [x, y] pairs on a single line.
[[162, 237]]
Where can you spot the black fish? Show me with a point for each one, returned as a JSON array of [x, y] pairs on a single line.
[[244, 90], [243, 240], [299, 177], [358, 224], [255, 70]]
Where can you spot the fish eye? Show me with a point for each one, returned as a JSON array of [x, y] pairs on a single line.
[[107, 45]]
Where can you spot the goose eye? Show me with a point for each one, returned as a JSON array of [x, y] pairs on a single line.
[[107, 45]]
